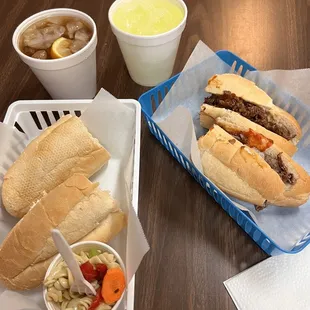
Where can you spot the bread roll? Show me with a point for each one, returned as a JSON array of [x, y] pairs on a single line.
[[261, 178], [78, 208], [241, 87], [61, 150], [271, 117], [273, 154], [297, 193], [236, 169], [226, 119]]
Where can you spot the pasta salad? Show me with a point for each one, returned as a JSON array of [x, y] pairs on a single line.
[[100, 269]]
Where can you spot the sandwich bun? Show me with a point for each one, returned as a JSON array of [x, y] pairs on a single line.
[[259, 177], [63, 149], [249, 92], [78, 208], [237, 169], [297, 193], [226, 119], [241, 87]]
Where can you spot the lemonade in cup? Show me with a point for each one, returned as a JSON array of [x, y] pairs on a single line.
[[148, 33]]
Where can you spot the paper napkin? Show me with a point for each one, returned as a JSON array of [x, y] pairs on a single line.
[[278, 283]]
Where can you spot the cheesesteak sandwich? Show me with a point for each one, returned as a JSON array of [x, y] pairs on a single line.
[[240, 101], [61, 150], [78, 208], [250, 167], [227, 119]]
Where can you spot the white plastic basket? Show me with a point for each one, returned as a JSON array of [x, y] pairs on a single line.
[[32, 116]]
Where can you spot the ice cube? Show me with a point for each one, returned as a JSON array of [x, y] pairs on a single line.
[[29, 51], [37, 25], [53, 32], [33, 38], [77, 45], [83, 35], [43, 38], [40, 24], [72, 27], [58, 20], [42, 54]]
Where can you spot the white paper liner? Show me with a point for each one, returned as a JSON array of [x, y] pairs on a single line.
[[113, 124], [285, 226]]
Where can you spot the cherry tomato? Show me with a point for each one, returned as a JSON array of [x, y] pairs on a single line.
[[96, 302], [102, 270], [89, 272]]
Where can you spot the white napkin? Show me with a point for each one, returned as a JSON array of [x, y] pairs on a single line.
[[280, 282]]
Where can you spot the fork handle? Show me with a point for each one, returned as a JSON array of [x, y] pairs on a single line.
[[67, 254]]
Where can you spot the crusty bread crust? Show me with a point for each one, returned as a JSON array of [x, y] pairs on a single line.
[[241, 87], [226, 119], [244, 162], [61, 150], [78, 208], [248, 91], [240, 171], [297, 194], [218, 173]]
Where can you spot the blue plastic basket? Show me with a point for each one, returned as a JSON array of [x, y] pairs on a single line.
[[150, 101]]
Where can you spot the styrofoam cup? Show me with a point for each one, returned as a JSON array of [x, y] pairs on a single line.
[[71, 77], [149, 59], [77, 248]]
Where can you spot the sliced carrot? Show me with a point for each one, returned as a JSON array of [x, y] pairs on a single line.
[[113, 285]]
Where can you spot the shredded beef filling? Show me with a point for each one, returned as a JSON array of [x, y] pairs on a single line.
[[249, 110], [284, 174], [278, 165]]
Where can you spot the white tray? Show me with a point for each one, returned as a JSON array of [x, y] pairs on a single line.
[[23, 113]]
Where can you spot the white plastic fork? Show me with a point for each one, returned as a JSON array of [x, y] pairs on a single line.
[[79, 285], [239, 71]]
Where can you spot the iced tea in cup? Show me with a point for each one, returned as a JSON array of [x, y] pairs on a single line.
[[148, 33], [59, 46]]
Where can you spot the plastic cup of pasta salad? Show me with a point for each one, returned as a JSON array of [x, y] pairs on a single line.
[[101, 265]]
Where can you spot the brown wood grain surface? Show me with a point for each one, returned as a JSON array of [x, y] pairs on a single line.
[[195, 245]]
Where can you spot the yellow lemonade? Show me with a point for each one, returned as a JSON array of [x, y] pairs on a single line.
[[147, 17]]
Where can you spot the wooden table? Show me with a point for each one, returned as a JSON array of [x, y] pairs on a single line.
[[195, 245]]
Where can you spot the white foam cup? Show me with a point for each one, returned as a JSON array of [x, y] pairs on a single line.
[[71, 77], [149, 59]]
